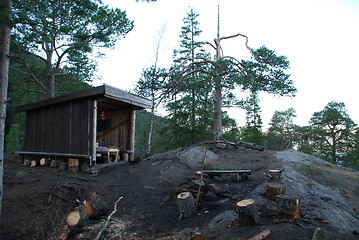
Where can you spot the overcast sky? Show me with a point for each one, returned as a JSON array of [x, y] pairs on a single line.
[[319, 37]]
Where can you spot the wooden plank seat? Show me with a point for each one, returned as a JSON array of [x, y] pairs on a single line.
[[212, 173], [108, 151]]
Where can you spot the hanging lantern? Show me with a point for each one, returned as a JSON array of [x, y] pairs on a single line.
[[102, 116]]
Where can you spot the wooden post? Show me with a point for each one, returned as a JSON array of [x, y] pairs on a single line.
[[288, 207], [94, 133], [132, 136], [274, 189], [246, 211], [186, 205]]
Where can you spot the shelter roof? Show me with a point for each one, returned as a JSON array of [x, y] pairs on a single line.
[[107, 96]]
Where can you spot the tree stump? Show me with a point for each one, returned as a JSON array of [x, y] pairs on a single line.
[[274, 176], [76, 218], [288, 207], [274, 189], [186, 205], [246, 211], [45, 162]]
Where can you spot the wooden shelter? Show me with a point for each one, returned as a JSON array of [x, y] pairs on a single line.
[[83, 124]]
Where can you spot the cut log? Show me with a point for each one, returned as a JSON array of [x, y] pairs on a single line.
[[197, 184], [27, 162], [87, 208], [288, 207], [34, 163], [45, 162], [262, 235], [274, 176], [246, 211], [76, 218], [62, 165], [218, 188], [54, 163], [274, 189], [186, 205], [97, 205]]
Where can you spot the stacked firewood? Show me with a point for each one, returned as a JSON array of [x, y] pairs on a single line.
[[70, 164]]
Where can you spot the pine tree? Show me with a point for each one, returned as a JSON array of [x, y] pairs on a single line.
[[189, 104], [252, 132]]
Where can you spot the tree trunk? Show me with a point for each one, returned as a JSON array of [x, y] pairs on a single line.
[[217, 98], [50, 74], [186, 205], [274, 189], [152, 120], [246, 211], [5, 13], [217, 113]]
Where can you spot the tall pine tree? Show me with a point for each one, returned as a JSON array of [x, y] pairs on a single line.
[[189, 104]]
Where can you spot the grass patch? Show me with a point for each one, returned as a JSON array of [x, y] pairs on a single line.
[[208, 166], [322, 176]]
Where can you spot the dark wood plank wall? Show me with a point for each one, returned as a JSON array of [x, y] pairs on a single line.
[[118, 135], [64, 128]]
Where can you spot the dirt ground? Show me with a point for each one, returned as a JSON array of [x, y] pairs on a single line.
[[36, 200]]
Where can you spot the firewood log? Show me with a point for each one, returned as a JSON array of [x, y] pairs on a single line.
[[76, 218], [262, 235], [274, 189], [186, 205], [96, 207], [45, 162], [34, 163], [288, 207], [247, 212]]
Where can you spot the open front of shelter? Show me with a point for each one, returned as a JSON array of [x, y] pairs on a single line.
[[94, 125]]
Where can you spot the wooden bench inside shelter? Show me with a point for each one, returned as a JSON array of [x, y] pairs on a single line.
[[212, 173], [108, 151]]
